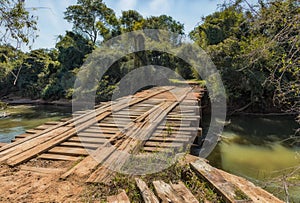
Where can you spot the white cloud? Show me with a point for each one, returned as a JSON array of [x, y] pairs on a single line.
[[125, 5], [160, 6]]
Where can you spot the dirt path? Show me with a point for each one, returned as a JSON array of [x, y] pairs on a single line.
[[19, 184]]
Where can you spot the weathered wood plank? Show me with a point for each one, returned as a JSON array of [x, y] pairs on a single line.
[[185, 194], [227, 189], [103, 175], [99, 140], [22, 135], [164, 144], [69, 151], [2, 144], [42, 171], [58, 157], [166, 193], [147, 194], [80, 144], [120, 198]]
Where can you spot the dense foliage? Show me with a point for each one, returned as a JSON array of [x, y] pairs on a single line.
[[255, 48]]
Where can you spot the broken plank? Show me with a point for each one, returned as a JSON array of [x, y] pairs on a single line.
[[226, 189], [184, 193], [120, 198], [147, 194], [166, 193]]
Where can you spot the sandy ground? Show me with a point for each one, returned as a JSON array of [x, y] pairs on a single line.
[[19, 185]]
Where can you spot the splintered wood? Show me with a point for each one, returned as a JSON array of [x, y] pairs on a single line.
[[154, 120], [231, 187]]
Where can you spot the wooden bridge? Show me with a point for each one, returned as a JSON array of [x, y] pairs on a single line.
[[154, 120], [161, 119]]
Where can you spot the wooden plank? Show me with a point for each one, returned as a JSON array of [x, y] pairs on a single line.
[[29, 144], [166, 193], [69, 151], [42, 127], [80, 144], [42, 171], [147, 194], [163, 144], [22, 135], [88, 164], [184, 193], [94, 140], [2, 144], [58, 157], [170, 139], [255, 193], [50, 142], [103, 175], [111, 125], [211, 175], [99, 135], [33, 131], [120, 198]]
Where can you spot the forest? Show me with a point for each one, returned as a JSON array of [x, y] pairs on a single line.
[[254, 47]]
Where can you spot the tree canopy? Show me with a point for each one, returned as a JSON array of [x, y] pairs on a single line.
[[16, 24]]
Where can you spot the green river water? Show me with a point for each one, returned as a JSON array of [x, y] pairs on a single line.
[[251, 147], [24, 117]]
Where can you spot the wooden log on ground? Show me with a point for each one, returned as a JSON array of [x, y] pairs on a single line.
[[147, 194]]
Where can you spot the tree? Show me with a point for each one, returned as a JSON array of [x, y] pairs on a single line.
[[37, 69], [17, 26], [131, 20], [228, 22], [11, 60], [164, 22], [92, 18]]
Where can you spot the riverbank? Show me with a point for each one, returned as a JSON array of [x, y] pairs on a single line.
[[28, 101]]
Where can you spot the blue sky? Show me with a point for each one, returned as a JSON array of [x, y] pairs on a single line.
[[51, 22]]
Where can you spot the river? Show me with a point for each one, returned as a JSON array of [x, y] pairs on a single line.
[[252, 147], [24, 117]]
